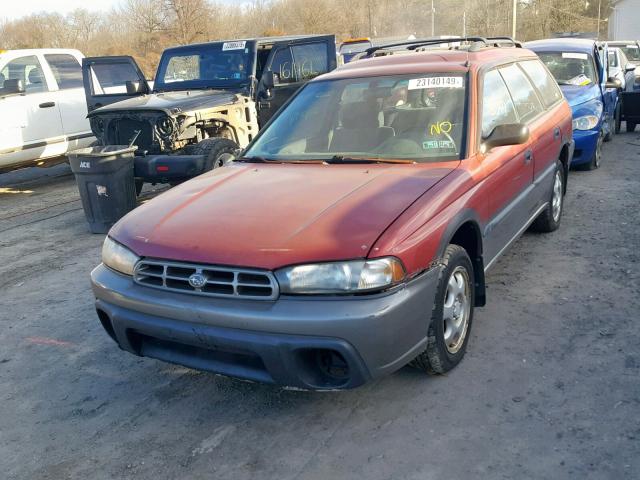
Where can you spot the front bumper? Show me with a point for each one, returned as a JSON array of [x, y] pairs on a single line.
[[285, 342], [165, 168], [585, 145]]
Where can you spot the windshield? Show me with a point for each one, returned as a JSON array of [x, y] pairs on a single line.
[[355, 47], [632, 52], [420, 118], [570, 68], [213, 65]]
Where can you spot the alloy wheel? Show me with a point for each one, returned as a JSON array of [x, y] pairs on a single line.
[[456, 309]]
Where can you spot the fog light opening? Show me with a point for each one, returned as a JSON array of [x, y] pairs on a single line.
[[106, 324], [332, 364]]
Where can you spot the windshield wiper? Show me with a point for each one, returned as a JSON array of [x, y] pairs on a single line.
[[255, 160], [346, 159]]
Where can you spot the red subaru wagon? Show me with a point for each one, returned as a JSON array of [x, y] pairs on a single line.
[[353, 235]]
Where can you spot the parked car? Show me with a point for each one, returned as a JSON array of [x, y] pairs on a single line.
[[42, 106], [354, 234], [631, 49], [580, 68], [352, 47], [621, 68], [207, 101]]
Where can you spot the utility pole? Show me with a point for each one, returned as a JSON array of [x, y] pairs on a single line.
[[599, 5], [433, 20], [514, 19], [464, 23]]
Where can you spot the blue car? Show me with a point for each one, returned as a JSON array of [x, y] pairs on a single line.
[[581, 69]]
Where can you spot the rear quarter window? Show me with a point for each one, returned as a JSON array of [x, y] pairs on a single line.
[[543, 80], [522, 92]]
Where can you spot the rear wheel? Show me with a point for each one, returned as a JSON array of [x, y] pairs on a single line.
[[451, 315], [218, 152], [549, 219], [631, 126]]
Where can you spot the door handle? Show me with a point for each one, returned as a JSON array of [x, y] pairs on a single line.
[[556, 133], [528, 155], [47, 104]]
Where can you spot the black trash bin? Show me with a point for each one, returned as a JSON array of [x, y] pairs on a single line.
[[107, 186]]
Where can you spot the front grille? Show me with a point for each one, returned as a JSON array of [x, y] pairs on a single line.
[[216, 281], [122, 130]]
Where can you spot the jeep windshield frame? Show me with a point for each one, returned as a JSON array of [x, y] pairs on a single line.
[[217, 65], [384, 118]]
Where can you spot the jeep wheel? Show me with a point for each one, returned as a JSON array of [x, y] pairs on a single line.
[[631, 126], [451, 315], [549, 219], [217, 152]]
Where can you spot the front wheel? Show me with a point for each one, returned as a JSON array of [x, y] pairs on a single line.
[[596, 158], [218, 152], [549, 219], [451, 315]]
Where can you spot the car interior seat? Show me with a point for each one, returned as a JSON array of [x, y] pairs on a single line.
[[35, 80], [360, 129]]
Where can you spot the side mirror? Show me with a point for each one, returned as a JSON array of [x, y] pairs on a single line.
[[613, 83], [630, 67], [12, 87], [507, 134], [268, 79], [134, 88]]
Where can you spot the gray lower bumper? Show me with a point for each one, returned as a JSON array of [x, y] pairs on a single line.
[[268, 341]]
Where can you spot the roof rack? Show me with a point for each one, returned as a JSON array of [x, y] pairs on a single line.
[[478, 41]]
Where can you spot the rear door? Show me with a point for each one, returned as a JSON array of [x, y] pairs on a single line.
[[294, 63], [111, 79]]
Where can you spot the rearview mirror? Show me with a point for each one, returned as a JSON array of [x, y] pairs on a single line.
[[12, 87], [268, 79], [630, 67], [613, 83], [133, 88], [507, 134]]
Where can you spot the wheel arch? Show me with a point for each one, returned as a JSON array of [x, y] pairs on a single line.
[[464, 230]]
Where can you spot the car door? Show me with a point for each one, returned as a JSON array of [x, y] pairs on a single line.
[[111, 79], [35, 127], [545, 130], [67, 72], [294, 63], [509, 169], [609, 95]]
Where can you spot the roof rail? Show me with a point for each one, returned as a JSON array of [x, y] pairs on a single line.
[[504, 39], [415, 44]]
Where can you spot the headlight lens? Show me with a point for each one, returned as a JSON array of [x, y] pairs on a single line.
[[341, 277], [585, 123], [165, 127], [118, 257]]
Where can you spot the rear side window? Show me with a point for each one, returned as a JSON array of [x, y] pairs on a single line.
[[524, 96], [542, 79], [28, 70], [497, 106], [111, 78], [310, 60], [66, 69]]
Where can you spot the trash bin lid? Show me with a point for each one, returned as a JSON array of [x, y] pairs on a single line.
[[103, 151]]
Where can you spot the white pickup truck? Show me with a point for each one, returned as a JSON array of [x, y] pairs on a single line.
[[43, 108]]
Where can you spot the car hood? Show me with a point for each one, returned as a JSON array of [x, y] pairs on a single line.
[[268, 216], [576, 95], [172, 102]]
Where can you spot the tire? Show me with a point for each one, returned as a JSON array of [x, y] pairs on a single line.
[[218, 152], [618, 118], [631, 126], [444, 352], [549, 219], [139, 185], [596, 158], [609, 136]]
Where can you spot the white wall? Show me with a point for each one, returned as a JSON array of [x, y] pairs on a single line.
[[624, 22]]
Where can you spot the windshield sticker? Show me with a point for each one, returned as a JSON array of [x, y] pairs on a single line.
[[579, 56], [579, 80], [435, 82], [430, 144], [446, 144], [233, 45]]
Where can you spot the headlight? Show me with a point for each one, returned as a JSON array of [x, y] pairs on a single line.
[[585, 123], [118, 257], [341, 277], [165, 127]]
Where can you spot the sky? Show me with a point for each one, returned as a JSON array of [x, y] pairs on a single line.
[[12, 9]]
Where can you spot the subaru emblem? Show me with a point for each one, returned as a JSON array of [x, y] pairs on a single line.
[[197, 280]]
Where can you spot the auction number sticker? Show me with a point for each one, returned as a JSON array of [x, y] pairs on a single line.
[[578, 56], [435, 82], [233, 45]]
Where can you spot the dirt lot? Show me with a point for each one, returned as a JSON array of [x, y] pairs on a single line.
[[550, 387]]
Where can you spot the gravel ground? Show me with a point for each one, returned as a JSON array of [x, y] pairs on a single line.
[[550, 386]]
